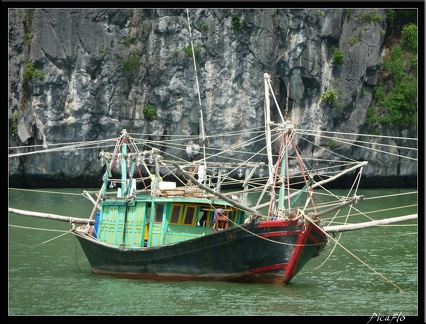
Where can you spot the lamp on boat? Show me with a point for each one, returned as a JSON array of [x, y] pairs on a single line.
[[102, 160], [138, 160], [223, 170], [261, 172], [214, 171], [128, 160], [150, 158], [118, 160], [192, 150], [240, 172]]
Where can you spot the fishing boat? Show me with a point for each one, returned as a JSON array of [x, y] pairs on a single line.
[[160, 218]]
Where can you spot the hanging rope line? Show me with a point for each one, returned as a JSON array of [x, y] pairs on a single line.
[[361, 261]]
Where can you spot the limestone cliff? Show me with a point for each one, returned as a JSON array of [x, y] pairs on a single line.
[[101, 67]]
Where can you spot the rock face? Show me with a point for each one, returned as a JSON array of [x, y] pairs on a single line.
[[86, 94]]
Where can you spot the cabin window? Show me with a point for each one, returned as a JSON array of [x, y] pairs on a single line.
[[189, 215], [175, 214], [203, 218], [159, 209], [210, 218]]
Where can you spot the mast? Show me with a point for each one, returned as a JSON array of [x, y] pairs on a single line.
[[268, 128], [270, 183], [203, 135], [284, 162]]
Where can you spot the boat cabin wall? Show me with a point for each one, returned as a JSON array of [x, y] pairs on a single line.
[[128, 224]]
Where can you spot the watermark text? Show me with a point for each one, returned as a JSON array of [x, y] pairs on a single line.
[[397, 318]]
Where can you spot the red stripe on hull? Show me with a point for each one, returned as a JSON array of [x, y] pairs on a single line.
[[313, 238], [280, 233], [269, 268], [317, 231], [277, 223], [298, 249]]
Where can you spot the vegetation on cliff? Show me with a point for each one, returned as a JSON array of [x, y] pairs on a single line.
[[395, 95]]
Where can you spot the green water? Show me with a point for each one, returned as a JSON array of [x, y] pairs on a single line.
[[375, 271]]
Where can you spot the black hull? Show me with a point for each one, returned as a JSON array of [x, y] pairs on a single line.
[[264, 252]]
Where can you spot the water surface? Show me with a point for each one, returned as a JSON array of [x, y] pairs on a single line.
[[375, 271]]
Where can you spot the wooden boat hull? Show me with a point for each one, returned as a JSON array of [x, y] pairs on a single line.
[[260, 252]]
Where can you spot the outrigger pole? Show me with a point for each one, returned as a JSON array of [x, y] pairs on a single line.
[[61, 218], [352, 227]]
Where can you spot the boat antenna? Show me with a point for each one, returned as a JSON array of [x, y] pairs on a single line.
[[286, 102], [271, 91], [203, 136], [268, 128]]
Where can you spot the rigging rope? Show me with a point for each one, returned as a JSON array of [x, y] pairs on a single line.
[[40, 229], [357, 258]]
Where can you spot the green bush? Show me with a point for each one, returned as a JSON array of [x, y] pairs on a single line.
[[197, 49], [371, 17], [25, 17], [30, 72], [409, 38], [331, 144], [398, 18], [391, 15], [338, 56], [15, 117], [236, 22], [372, 121], [401, 103], [394, 65], [353, 41], [127, 42], [395, 95], [379, 92], [203, 27], [329, 96], [28, 38], [413, 63], [398, 106], [132, 62], [150, 113]]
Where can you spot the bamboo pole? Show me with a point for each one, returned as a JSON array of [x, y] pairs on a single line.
[[354, 200], [352, 227], [52, 216]]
